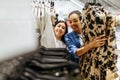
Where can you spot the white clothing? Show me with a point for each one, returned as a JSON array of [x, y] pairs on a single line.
[[48, 39], [81, 39], [60, 44]]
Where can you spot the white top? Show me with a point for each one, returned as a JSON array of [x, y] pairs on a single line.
[[81, 39], [60, 44]]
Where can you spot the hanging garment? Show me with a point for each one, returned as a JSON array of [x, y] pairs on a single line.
[[39, 9], [96, 63], [48, 39]]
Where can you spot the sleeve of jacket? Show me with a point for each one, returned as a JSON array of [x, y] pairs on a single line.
[[70, 44]]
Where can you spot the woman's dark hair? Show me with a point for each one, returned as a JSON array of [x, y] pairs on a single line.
[[75, 12], [66, 31]]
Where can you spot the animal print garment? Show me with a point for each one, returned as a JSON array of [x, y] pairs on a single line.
[[94, 64]]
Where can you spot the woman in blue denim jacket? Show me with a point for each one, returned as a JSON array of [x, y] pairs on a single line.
[[74, 41]]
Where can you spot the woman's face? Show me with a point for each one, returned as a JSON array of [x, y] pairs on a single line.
[[59, 30], [75, 22]]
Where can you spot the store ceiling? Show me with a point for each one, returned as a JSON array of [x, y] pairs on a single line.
[[63, 7]]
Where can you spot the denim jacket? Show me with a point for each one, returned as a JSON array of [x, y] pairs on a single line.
[[73, 43]]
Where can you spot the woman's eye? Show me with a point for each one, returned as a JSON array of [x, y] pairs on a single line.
[[63, 27], [75, 20], [58, 25]]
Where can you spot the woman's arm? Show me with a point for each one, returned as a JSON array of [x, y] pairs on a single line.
[[97, 42]]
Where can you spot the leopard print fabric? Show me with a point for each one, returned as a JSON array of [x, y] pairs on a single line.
[[96, 21]]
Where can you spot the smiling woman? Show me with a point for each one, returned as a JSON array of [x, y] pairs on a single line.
[[60, 30]]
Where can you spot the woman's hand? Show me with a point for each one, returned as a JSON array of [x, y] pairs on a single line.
[[98, 41]]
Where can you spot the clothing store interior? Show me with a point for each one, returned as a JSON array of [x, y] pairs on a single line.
[[29, 49]]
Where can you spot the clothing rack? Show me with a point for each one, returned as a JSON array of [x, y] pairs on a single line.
[[40, 8], [44, 13]]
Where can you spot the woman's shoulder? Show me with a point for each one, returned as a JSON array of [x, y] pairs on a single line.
[[72, 33]]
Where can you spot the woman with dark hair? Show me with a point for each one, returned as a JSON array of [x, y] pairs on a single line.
[[60, 29], [74, 40]]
